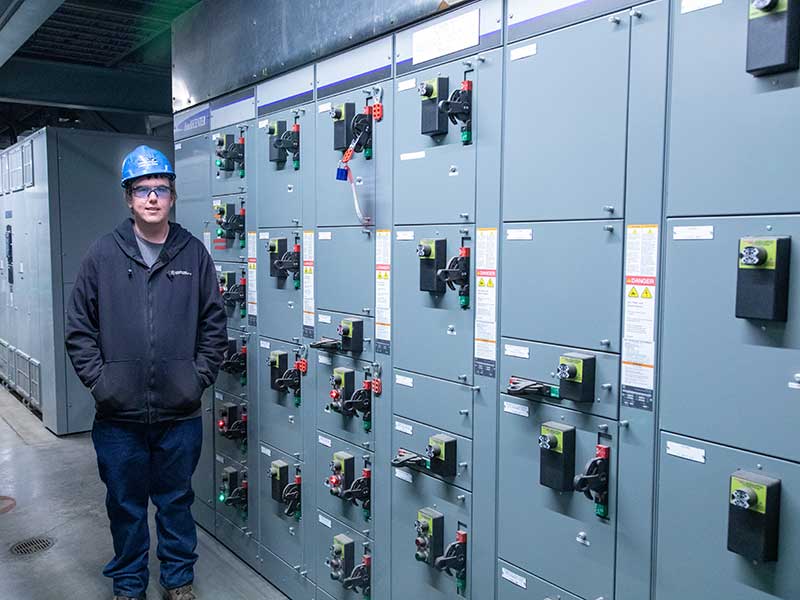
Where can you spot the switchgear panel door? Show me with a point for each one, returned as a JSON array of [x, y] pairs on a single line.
[[332, 417], [203, 477], [437, 326], [282, 533], [539, 363], [193, 165], [280, 300], [328, 327], [570, 536], [283, 180], [329, 532], [412, 437], [337, 199], [232, 278], [720, 372], [228, 158], [280, 410], [566, 123], [434, 173], [345, 463], [693, 521], [225, 228], [451, 410], [230, 426], [413, 492], [515, 584], [558, 291], [345, 270], [721, 117]]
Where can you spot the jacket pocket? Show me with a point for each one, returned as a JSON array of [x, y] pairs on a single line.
[[180, 387], [120, 388]]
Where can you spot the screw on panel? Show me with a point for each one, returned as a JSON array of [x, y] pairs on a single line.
[[605, 342], [602, 427], [636, 14], [614, 19], [608, 228], [606, 386]]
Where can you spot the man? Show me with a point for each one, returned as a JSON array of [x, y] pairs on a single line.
[[146, 334]]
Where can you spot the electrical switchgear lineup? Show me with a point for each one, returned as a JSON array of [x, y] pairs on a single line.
[[505, 298]]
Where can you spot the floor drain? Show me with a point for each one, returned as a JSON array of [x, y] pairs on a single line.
[[6, 504], [32, 546]]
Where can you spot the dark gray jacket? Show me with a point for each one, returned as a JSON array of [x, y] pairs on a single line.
[[146, 341]]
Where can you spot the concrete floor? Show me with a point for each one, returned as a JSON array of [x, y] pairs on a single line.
[[59, 494]]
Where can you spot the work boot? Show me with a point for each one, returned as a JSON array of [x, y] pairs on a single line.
[[185, 592]]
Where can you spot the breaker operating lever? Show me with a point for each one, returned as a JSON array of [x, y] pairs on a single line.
[[406, 458], [359, 490], [593, 482], [359, 579], [292, 496]]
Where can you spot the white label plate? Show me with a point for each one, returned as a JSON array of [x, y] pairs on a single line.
[[220, 459], [324, 319], [324, 441], [324, 520], [323, 359], [404, 380], [517, 580], [693, 232], [523, 52], [516, 351], [326, 107], [688, 6], [519, 234], [698, 455], [412, 155], [404, 475], [265, 450], [404, 428], [264, 344], [325, 235], [408, 84], [404, 236], [515, 409], [263, 235]]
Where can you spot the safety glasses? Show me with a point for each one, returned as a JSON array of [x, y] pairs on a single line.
[[143, 191]]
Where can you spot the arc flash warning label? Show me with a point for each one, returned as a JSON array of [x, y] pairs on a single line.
[[638, 343]]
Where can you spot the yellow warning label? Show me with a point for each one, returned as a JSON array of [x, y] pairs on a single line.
[[633, 293], [482, 283], [646, 293], [491, 283]]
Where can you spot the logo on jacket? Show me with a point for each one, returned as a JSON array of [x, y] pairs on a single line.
[[177, 273]]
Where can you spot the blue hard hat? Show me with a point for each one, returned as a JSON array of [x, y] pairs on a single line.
[[144, 160]]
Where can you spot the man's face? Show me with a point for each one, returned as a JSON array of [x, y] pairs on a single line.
[[151, 199]]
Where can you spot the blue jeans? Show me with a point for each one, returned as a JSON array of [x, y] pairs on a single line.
[[138, 462]]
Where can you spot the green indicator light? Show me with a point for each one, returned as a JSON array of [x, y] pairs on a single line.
[[466, 137], [241, 172], [221, 497], [243, 380], [365, 511], [220, 231], [297, 284], [367, 426], [296, 165], [218, 162], [463, 301], [241, 243], [368, 153], [461, 585], [553, 391], [297, 400], [244, 312], [427, 463], [601, 510], [297, 515]]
